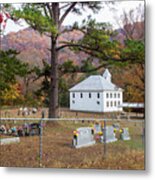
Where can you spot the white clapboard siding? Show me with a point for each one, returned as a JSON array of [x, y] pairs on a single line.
[[96, 94]]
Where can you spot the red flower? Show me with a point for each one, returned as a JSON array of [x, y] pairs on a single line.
[[1, 18]]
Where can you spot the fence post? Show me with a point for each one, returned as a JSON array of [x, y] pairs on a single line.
[[143, 133], [40, 140], [104, 140]]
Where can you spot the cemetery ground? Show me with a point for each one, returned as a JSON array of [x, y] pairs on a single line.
[[59, 153]]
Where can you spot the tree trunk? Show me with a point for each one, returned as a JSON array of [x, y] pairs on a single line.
[[53, 94]]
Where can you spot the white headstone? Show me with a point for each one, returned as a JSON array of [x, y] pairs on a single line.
[[108, 135], [83, 137], [125, 134], [9, 140], [97, 128]]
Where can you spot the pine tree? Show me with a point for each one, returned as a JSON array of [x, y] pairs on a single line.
[[48, 18]]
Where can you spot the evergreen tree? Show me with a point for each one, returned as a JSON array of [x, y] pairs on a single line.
[[10, 67], [48, 18]]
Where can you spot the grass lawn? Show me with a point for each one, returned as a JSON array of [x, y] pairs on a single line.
[[58, 152]]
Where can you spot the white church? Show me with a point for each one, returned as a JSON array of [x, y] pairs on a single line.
[[96, 94]]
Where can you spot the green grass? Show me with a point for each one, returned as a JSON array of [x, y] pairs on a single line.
[[135, 144]]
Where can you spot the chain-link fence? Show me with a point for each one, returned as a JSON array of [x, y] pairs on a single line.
[[72, 143]]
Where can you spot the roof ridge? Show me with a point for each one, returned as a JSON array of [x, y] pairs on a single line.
[[94, 82]]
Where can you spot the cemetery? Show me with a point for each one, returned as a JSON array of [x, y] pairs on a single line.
[[78, 144], [82, 137], [85, 136]]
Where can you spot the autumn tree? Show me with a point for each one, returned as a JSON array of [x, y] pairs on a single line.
[[10, 94], [132, 25], [11, 68]]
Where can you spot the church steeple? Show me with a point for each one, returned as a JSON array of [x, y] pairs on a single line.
[[107, 75]]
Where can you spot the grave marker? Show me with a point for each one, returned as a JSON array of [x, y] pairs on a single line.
[[9, 140], [108, 135], [97, 128], [83, 137], [125, 134]]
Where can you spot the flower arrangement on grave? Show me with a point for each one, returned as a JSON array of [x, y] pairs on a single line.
[[75, 133]]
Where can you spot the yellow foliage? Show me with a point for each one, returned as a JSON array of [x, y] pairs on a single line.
[[12, 93]]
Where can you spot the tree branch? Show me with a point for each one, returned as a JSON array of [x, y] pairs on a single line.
[[45, 10], [67, 30], [75, 45], [81, 70], [67, 12], [47, 34], [93, 50], [64, 6], [49, 9]]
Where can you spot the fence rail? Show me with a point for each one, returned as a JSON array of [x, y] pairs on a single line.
[[72, 119]]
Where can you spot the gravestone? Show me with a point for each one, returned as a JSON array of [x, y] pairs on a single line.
[[125, 134], [109, 135], [9, 140], [83, 137], [97, 128]]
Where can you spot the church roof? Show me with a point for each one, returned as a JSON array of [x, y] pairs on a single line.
[[95, 83]]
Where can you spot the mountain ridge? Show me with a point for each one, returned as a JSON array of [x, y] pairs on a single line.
[[34, 47]]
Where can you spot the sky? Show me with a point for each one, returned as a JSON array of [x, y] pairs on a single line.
[[104, 15]]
